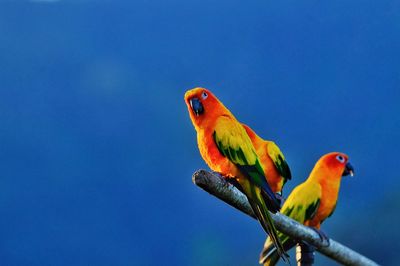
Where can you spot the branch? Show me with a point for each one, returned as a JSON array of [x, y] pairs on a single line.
[[220, 188]]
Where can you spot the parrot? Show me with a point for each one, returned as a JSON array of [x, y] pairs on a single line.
[[311, 202], [276, 169], [227, 149]]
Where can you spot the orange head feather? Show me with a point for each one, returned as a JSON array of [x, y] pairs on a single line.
[[203, 106], [334, 164]]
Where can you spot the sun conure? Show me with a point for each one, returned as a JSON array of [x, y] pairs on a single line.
[[311, 202], [227, 149], [272, 160]]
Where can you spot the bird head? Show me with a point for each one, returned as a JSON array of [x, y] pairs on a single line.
[[203, 105], [339, 163]]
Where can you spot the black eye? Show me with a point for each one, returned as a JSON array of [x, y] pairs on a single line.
[[204, 95], [340, 158]]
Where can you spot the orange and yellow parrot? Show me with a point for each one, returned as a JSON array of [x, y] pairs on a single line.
[[311, 202], [272, 160], [228, 150]]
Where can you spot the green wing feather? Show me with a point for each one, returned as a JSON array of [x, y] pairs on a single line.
[[301, 205], [279, 160], [234, 143]]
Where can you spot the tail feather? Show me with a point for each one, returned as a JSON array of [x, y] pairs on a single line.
[[271, 260], [269, 255], [267, 223]]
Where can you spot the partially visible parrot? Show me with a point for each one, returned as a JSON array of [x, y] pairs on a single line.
[[272, 160], [311, 202], [227, 149]]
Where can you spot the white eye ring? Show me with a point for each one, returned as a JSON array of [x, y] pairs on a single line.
[[340, 158], [204, 95]]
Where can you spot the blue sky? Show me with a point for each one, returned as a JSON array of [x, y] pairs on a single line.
[[97, 149]]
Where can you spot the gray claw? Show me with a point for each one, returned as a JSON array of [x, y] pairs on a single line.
[[324, 238]]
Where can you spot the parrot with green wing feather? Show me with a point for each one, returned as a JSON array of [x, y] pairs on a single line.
[[311, 202], [228, 150]]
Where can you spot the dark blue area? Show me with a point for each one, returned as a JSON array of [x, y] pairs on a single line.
[[97, 149]]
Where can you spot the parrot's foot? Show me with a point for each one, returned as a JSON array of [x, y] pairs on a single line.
[[235, 183], [218, 174], [222, 177], [229, 180], [324, 238]]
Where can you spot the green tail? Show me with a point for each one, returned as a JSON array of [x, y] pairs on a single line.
[[269, 255], [264, 217]]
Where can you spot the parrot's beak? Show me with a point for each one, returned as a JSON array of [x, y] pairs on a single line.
[[196, 106], [348, 170]]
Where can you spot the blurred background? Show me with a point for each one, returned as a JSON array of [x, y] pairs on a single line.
[[97, 149]]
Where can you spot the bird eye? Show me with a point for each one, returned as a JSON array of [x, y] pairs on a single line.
[[340, 158], [204, 95]]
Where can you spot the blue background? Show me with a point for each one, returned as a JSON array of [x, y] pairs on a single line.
[[97, 149]]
